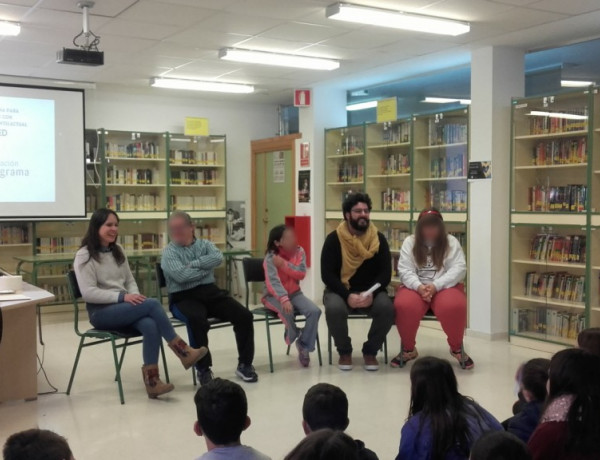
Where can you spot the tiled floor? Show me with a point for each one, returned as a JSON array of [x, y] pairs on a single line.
[[100, 428]]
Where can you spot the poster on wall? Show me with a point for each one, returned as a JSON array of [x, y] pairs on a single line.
[[278, 167], [304, 186], [236, 224], [305, 154], [480, 170]]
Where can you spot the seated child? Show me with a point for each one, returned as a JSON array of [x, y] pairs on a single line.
[[222, 411], [285, 267], [36, 444], [499, 445], [589, 340], [324, 444]]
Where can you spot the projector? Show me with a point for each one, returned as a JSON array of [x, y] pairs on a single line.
[[80, 57]]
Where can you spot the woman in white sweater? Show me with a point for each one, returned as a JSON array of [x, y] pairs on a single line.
[[432, 269], [114, 302]]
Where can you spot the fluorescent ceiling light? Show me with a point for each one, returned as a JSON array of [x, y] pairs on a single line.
[[575, 83], [361, 106], [10, 28], [565, 116], [277, 59], [445, 100], [396, 19], [197, 85]]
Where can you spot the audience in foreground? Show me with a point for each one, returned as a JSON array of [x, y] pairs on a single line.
[[222, 415], [325, 444], [36, 444], [499, 445], [326, 406], [570, 426], [589, 340], [442, 423]]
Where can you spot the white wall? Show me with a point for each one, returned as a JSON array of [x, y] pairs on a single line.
[[146, 109]]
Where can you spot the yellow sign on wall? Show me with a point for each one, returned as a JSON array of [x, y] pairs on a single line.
[[387, 110], [195, 126]]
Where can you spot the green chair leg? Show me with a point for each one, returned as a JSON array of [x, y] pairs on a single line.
[[118, 370], [164, 360], [268, 324], [123, 347], [75, 364]]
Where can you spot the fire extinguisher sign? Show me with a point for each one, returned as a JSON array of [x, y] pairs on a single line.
[[302, 98]]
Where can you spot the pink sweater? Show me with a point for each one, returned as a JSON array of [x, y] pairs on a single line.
[[285, 281]]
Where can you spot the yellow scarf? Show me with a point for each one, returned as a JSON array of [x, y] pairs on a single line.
[[356, 249]]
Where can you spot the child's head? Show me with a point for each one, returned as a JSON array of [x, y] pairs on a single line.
[[325, 445], [36, 444], [499, 445], [282, 237], [325, 406], [589, 340], [534, 379], [222, 411], [433, 386]]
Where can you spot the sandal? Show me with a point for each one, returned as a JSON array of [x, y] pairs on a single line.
[[465, 361], [403, 357]]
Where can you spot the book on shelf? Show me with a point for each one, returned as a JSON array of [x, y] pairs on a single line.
[[396, 134], [452, 166], [141, 241], [396, 163], [567, 198], [132, 176], [191, 157], [58, 244], [56, 269], [208, 232], [555, 285], [193, 203], [60, 292], [438, 196], [557, 248], [560, 152], [14, 234], [395, 200], [121, 202], [194, 177], [350, 172], [350, 145], [543, 124], [148, 150], [394, 236], [461, 237], [446, 133], [549, 321]]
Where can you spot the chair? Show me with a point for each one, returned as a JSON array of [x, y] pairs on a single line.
[[119, 339], [430, 316], [255, 273]]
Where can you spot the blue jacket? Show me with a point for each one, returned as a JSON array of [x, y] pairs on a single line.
[[523, 424], [416, 442]]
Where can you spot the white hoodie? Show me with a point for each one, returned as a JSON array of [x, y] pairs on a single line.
[[450, 274]]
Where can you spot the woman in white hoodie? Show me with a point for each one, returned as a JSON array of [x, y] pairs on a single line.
[[432, 269]]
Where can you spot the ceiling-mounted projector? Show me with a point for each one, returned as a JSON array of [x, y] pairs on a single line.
[[86, 43]]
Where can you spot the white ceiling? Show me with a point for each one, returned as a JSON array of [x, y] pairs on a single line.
[[180, 38]]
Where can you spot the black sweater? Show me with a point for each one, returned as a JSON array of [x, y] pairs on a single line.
[[377, 269]]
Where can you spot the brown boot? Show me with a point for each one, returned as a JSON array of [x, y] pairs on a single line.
[[154, 386], [188, 355]]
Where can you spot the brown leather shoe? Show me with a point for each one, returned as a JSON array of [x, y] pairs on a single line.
[[345, 363], [371, 363]]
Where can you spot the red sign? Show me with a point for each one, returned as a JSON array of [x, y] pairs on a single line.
[[305, 155], [302, 98]]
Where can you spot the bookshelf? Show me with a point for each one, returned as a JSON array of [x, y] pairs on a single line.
[[553, 280]]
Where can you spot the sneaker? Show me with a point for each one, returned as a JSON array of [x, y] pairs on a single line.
[[247, 373], [345, 363], [204, 376], [371, 363], [465, 361], [403, 357], [303, 355]]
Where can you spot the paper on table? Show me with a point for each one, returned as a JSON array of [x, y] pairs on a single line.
[[13, 297]]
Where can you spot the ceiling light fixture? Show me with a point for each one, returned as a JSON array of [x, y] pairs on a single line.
[[445, 100], [198, 85], [396, 19], [564, 116], [361, 106], [575, 83], [9, 28], [277, 59]]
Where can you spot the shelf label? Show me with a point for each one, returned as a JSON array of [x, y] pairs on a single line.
[[387, 110], [195, 126]]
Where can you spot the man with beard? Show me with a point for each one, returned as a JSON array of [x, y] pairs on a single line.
[[355, 257]]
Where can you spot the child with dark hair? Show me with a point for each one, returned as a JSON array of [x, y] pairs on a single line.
[[326, 406], [325, 444], [499, 445], [285, 267], [222, 415], [533, 380], [570, 425], [589, 340], [36, 444], [442, 424]]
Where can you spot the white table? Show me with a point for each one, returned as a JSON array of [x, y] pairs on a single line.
[[18, 348]]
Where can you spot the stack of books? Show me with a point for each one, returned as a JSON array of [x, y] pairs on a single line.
[[550, 125], [555, 285], [350, 172], [548, 321], [560, 152], [557, 248], [14, 234], [454, 166], [395, 200], [447, 133], [130, 202], [396, 134], [131, 176], [141, 241], [191, 157], [193, 203], [194, 177], [396, 163], [568, 198], [132, 150], [58, 244]]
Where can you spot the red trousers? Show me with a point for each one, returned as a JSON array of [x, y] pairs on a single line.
[[448, 305]]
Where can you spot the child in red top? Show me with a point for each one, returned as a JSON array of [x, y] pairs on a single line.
[[285, 267]]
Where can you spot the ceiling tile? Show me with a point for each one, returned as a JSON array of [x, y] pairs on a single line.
[[279, 9], [129, 28], [25, 3], [12, 13], [62, 20], [210, 4], [466, 10], [302, 31], [523, 18], [272, 45], [110, 8], [572, 7], [240, 24], [114, 43], [366, 38], [200, 37], [167, 14]]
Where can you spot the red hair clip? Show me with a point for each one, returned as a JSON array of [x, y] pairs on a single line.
[[430, 212]]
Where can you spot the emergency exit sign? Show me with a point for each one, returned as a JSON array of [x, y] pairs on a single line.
[[302, 98]]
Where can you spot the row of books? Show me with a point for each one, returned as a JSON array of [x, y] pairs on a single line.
[[555, 285], [60, 291], [132, 176], [191, 157], [396, 134], [141, 241], [576, 120], [396, 163], [133, 150], [350, 172], [91, 202], [454, 166], [447, 200], [58, 244], [558, 248], [447, 133], [54, 269], [549, 321], [131, 202], [395, 200], [568, 198], [560, 152], [193, 203], [350, 145], [211, 233], [394, 236], [14, 234], [194, 177]]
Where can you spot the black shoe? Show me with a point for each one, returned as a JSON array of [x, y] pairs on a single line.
[[204, 376], [247, 373]]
